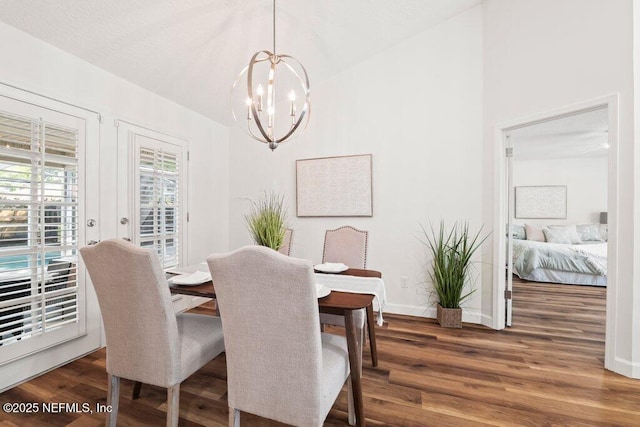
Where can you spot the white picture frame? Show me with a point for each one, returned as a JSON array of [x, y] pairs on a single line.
[[541, 202], [334, 186]]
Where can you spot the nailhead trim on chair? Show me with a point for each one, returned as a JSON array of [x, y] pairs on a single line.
[[366, 242]]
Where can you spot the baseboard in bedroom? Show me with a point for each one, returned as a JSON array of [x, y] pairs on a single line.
[[469, 315]]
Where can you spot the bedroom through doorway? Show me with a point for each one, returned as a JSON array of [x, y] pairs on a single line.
[[557, 184]]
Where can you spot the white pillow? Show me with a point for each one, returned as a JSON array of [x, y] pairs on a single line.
[[534, 233], [592, 232], [570, 231], [517, 232], [604, 232], [556, 235]]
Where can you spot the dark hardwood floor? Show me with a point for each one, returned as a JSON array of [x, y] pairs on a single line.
[[545, 370]]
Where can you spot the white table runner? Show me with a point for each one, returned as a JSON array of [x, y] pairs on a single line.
[[359, 285]]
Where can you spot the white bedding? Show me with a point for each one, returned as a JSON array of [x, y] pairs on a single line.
[[584, 264]]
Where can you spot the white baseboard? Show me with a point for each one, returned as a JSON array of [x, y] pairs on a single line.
[[625, 367], [411, 310], [468, 315], [486, 320]]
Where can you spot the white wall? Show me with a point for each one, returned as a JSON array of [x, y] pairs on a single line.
[[417, 108], [44, 69], [545, 55], [586, 181], [633, 335]]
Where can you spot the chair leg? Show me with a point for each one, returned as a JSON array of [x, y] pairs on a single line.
[[113, 397], [234, 417], [173, 405], [136, 390], [350, 403]]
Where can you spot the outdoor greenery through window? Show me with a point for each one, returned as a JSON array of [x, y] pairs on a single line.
[[38, 226]]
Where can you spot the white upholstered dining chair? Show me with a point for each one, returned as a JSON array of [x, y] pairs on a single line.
[[146, 340], [285, 249], [279, 365], [346, 245]]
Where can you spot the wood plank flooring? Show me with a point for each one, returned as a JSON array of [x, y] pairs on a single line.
[[547, 370]]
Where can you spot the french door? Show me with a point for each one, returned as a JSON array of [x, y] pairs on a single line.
[[152, 189], [47, 314]]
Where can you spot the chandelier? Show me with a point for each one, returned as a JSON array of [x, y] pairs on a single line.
[[270, 97]]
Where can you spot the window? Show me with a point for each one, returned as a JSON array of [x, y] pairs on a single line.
[[159, 202]]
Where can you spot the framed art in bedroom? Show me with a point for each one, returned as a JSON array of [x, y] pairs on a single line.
[[541, 202]]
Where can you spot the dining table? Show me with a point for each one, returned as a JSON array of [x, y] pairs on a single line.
[[370, 283], [336, 302]]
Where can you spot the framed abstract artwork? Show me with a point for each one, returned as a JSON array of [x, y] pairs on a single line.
[[548, 202], [334, 186]]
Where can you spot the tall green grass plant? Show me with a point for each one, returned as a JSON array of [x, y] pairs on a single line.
[[266, 220], [451, 251]]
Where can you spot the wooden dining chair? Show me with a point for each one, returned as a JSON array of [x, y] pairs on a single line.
[[285, 249], [146, 340], [279, 365]]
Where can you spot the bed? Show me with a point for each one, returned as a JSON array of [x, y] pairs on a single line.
[[583, 264]]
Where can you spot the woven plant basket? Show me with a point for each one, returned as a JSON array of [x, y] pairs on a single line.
[[449, 317]]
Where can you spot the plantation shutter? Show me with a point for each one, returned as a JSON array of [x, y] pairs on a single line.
[[159, 172], [38, 229]]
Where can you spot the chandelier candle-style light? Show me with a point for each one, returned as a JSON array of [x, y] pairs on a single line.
[[270, 97]]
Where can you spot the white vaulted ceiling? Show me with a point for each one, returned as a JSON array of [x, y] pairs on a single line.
[[191, 51]]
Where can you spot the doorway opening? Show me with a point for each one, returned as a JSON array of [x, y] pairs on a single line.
[[556, 204]]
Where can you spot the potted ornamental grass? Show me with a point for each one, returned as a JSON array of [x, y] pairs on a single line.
[[452, 250], [266, 220]]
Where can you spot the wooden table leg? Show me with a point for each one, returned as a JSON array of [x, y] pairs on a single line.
[[355, 365], [137, 386], [372, 335]]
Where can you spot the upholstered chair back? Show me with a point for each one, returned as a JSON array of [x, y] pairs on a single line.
[[139, 322], [271, 328], [285, 249], [346, 245]]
